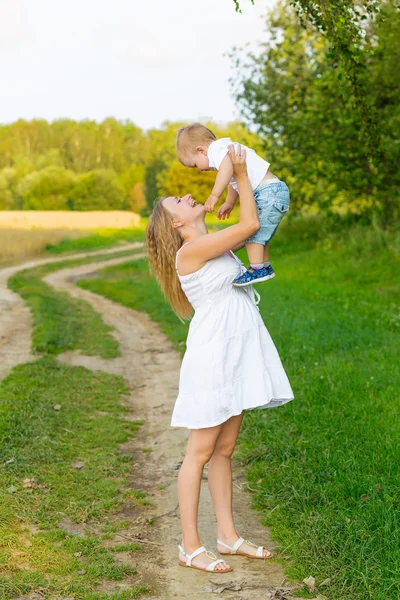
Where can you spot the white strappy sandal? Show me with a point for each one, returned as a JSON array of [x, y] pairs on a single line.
[[210, 567], [234, 549]]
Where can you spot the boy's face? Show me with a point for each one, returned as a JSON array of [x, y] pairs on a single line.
[[201, 159]]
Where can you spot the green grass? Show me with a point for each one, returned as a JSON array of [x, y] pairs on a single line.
[[60, 322], [101, 239], [325, 467], [40, 442]]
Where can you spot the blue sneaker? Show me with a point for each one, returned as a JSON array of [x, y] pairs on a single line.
[[254, 276]]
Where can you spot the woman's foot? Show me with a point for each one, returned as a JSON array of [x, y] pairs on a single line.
[[245, 548], [203, 560]]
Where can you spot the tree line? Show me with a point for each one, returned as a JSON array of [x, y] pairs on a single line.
[[299, 110], [69, 165]]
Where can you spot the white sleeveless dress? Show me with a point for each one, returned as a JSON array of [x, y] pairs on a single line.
[[231, 363]]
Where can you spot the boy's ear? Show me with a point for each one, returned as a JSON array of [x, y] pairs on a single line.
[[201, 149]]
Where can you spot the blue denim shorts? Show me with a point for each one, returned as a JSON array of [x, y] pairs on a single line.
[[272, 200]]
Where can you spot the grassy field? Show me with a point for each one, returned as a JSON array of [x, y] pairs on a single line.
[[44, 492], [324, 469], [99, 240]]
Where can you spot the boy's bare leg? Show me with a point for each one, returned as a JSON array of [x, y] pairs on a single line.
[[255, 252], [266, 253]]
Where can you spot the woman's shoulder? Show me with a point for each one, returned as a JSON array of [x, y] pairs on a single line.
[[197, 269]]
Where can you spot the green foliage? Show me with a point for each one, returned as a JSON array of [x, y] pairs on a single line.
[[96, 190], [7, 178], [180, 180], [303, 109], [47, 189], [325, 467], [96, 166], [342, 22]]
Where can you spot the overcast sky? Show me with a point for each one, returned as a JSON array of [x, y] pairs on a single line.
[[146, 60]]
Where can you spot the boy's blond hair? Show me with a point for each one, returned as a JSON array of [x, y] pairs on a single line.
[[191, 136]]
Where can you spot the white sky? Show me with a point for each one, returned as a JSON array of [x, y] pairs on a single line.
[[146, 60]]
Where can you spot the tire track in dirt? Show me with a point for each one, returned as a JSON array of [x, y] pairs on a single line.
[[150, 367]]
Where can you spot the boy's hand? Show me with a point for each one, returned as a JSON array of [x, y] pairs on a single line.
[[224, 211], [210, 203]]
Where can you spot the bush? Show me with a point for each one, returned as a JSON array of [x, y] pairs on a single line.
[[47, 189], [96, 190]]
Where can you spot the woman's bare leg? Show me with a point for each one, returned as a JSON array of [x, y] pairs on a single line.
[[199, 450], [220, 477], [220, 484]]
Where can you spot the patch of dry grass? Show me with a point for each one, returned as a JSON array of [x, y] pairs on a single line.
[[75, 220], [18, 244], [26, 233]]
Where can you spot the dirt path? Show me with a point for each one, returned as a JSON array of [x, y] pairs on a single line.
[[150, 367], [15, 317]]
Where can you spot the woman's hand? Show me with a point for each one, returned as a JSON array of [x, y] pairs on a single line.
[[238, 159]]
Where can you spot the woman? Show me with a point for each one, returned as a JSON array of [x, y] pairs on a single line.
[[230, 364]]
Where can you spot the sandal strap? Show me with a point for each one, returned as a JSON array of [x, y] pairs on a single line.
[[251, 544], [190, 557], [211, 566], [224, 545], [237, 545], [260, 549]]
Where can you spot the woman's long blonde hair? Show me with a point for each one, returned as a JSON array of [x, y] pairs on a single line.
[[163, 242]]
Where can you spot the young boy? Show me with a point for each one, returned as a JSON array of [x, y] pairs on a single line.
[[198, 147]]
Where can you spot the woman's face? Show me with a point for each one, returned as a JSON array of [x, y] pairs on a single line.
[[184, 209]]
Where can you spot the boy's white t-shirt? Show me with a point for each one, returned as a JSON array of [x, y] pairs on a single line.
[[256, 166]]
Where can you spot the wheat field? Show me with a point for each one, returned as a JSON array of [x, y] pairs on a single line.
[[18, 244], [76, 220], [24, 234]]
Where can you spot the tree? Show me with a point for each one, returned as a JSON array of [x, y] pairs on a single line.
[[180, 180], [6, 194], [137, 199], [47, 189], [159, 157], [341, 22], [290, 92], [96, 190]]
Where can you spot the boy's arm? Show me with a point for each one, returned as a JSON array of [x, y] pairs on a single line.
[[232, 196], [221, 181], [225, 210]]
